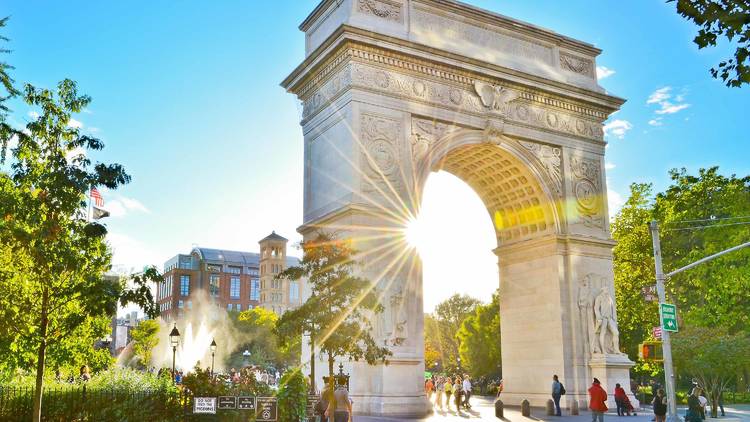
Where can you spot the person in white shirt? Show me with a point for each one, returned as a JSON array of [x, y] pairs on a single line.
[[467, 391]]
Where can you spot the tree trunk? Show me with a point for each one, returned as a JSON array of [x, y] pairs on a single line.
[[40, 359], [331, 381]]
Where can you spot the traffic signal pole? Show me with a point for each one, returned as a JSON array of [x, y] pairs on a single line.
[[666, 342]]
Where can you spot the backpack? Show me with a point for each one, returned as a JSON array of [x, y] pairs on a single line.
[[562, 389]]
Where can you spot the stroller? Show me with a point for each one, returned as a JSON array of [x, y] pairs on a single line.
[[629, 407]]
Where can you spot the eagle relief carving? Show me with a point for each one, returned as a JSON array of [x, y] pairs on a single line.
[[494, 97]]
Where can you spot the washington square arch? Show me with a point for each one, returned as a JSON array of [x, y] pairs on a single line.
[[393, 90]]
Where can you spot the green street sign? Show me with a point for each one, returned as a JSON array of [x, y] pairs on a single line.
[[668, 314]]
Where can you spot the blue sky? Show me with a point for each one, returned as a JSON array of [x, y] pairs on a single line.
[[187, 96]]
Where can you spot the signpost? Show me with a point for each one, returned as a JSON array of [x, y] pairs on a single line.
[[227, 402], [267, 409], [204, 405], [649, 293], [246, 403], [668, 314]]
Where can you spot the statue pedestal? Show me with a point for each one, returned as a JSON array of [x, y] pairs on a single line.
[[612, 369]]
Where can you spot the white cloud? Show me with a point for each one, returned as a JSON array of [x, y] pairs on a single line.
[[661, 94], [74, 123], [662, 97], [75, 152], [33, 114], [121, 206], [617, 128], [669, 108], [603, 72], [655, 122], [609, 166], [128, 252]]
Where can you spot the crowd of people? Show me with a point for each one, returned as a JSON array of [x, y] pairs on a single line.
[[446, 390]]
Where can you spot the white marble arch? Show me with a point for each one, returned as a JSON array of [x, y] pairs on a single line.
[[395, 89]]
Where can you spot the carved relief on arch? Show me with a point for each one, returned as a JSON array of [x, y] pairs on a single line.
[[379, 137], [587, 189], [550, 159]]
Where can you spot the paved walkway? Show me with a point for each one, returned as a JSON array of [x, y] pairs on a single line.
[[483, 409]]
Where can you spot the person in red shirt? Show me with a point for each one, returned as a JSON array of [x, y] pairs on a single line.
[[597, 404], [620, 400]]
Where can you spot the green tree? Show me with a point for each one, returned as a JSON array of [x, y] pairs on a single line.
[[700, 215], [292, 396], [479, 339], [257, 326], [728, 19], [7, 83], [711, 357], [448, 316], [44, 227], [340, 306], [145, 337]]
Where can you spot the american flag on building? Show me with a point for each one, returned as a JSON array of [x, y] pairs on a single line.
[[97, 197]]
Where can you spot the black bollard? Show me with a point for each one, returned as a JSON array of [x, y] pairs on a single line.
[[525, 408], [550, 408], [499, 409]]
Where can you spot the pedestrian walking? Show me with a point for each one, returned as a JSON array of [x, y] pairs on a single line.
[[439, 391], [429, 387], [694, 406], [85, 373], [721, 402], [704, 402], [597, 402], [660, 406], [458, 393], [620, 398], [340, 407], [448, 391], [322, 405], [556, 394], [467, 391]]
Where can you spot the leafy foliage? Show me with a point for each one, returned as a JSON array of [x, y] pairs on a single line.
[[712, 357], [339, 309], [257, 324], [55, 289], [7, 83], [292, 396], [722, 18], [479, 338], [145, 337], [442, 327], [699, 216]]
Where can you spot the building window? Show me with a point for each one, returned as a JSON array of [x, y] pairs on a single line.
[[254, 289], [213, 267], [184, 285], [234, 270], [293, 292], [190, 304], [252, 271], [179, 304], [234, 287], [213, 285], [186, 263], [238, 306], [229, 306]]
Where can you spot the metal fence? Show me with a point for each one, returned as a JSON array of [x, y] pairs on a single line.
[[77, 403]]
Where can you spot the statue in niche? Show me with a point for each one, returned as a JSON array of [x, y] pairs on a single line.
[[398, 327], [606, 325], [586, 307]]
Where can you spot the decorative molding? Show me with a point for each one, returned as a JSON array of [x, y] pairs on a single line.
[[587, 188], [494, 97], [379, 138], [328, 91], [550, 158], [493, 132], [575, 64], [381, 9], [424, 134], [426, 22], [395, 62]]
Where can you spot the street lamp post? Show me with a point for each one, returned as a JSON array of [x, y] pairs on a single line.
[[459, 365], [246, 356], [174, 340], [213, 353]]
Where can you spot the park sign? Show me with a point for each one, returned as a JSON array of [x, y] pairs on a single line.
[[668, 314], [204, 405], [266, 409]]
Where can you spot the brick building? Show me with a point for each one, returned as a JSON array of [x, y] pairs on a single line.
[[236, 280]]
